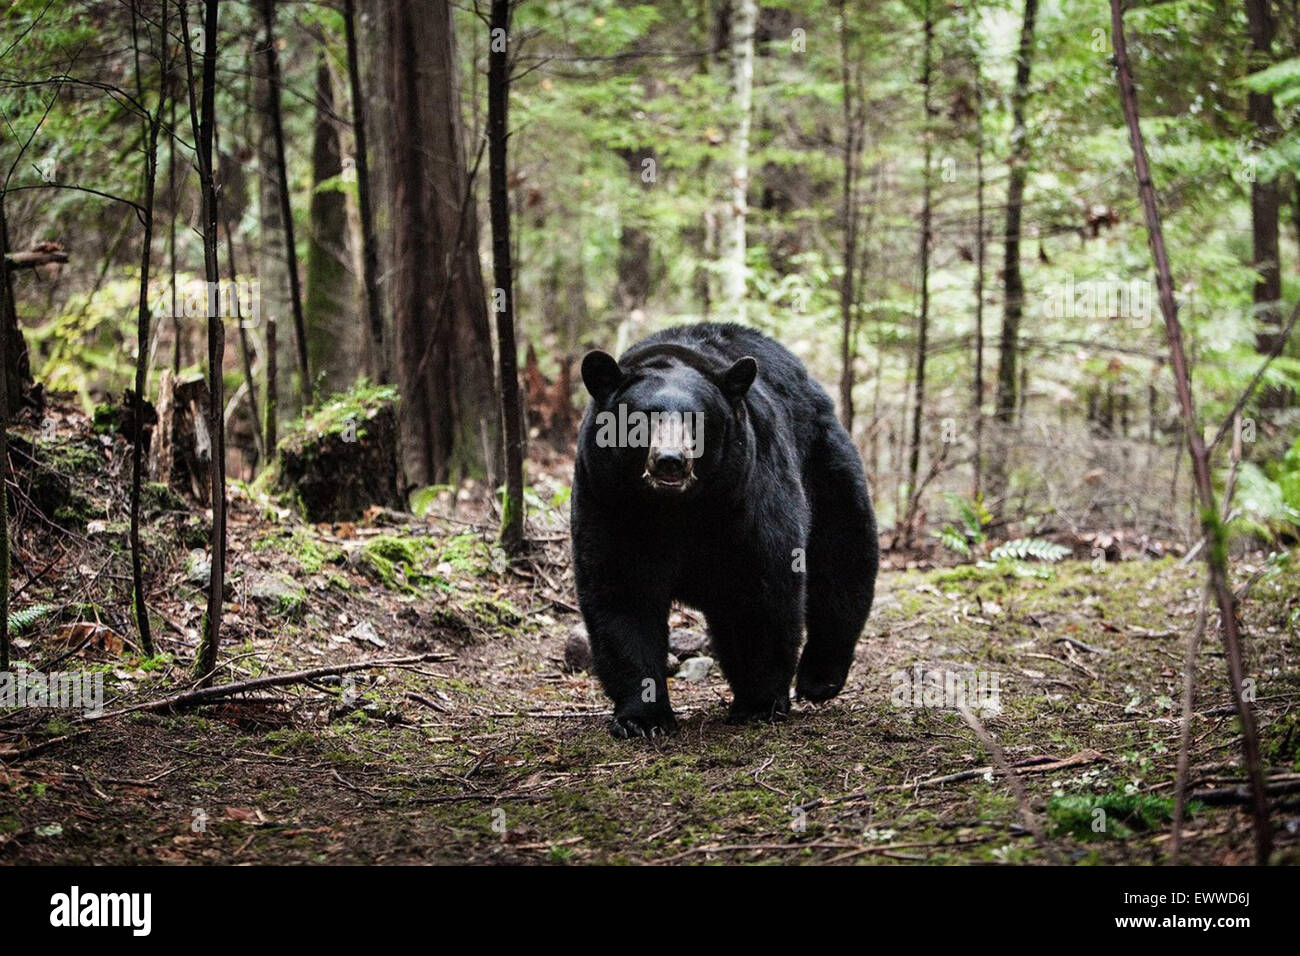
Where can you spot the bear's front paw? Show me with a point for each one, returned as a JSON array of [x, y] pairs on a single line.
[[815, 691], [748, 712], [657, 723]]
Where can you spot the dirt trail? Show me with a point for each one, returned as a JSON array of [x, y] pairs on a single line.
[[493, 754]]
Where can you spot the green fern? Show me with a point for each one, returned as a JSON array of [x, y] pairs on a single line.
[[975, 515], [953, 540], [1023, 549], [20, 621]]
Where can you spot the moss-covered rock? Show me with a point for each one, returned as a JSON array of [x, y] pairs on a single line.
[[342, 457], [56, 474]]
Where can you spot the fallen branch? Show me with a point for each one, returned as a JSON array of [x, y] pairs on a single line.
[[1244, 794], [31, 259], [1032, 823], [37, 748], [207, 695], [1039, 764], [1185, 735]]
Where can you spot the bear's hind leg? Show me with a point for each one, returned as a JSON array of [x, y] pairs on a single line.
[[842, 561]]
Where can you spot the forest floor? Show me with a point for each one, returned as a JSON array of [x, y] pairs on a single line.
[[489, 751]]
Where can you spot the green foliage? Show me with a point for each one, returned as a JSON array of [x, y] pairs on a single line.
[[22, 620], [1262, 504], [1022, 549], [1115, 815], [400, 563], [974, 516]]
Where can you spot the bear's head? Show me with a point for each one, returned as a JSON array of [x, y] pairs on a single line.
[[662, 420]]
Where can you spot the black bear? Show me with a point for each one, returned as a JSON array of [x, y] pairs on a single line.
[[711, 470]]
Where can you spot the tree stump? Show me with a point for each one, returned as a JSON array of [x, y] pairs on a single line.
[[180, 455], [343, 458]]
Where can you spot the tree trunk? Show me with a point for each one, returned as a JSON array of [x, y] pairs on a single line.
[[854, 124], [335, 339], [286, 209], [731, 253], [923, 323], [632, 284], [203, 121], [449, 418], [503, 297], [977, 389], [1216, 544], [149, 141], [369, 243], [9, 318], [245, 349], [1018, 172], [1265, 197], [18, 367], [174, 205]]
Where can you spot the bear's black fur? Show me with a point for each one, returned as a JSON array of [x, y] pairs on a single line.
[[766, 528]]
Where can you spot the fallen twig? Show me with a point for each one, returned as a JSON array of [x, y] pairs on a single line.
[[1032, 823], [206, 695]]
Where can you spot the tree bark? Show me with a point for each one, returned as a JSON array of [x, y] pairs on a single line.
[[1018, 171], [9, 318], [149, 140], [499, 63], [1265, 196], [18, 367], [977, 389], [1216, 544], [923, 322], [335, 338], [731, 253], [449, 416], [854, 126], [369, 243], [286, 208], [632, 267], [203, 122]]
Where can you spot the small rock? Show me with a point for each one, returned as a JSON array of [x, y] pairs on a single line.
[[685, 642], [198, 569], [695, 669], [577, 650], [364, 633]]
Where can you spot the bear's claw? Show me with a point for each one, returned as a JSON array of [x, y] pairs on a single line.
[[629, 726]]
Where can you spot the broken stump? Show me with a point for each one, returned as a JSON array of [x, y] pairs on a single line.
[[342, 458]]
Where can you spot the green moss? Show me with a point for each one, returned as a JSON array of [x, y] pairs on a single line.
[[470, 554], [156, 496], [399, 563], [493, 612], [310, 552], [350, 409], [285, 742]]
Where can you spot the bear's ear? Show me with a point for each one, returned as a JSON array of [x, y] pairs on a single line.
[[737, 379], [601, 374]]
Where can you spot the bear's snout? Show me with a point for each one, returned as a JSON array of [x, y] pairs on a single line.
[[668, 468]]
